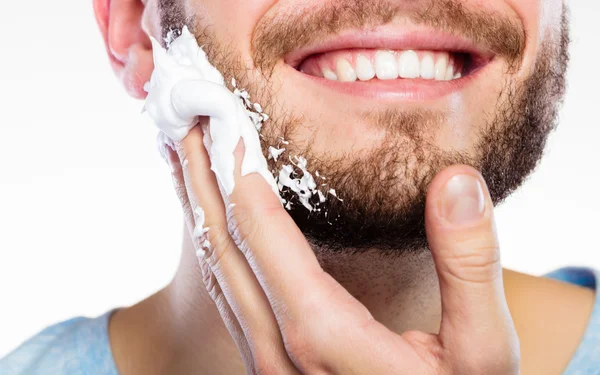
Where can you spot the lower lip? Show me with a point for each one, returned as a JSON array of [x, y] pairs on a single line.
[[397, 89]]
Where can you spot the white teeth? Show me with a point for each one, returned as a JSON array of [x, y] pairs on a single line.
[[449, 71], [428, 66], [345, 71], [364, 68], [409, 65], [441, 65], [329, 74], [385, 65], [389, 65]]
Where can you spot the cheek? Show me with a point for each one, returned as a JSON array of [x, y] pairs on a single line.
[[541, 19], [537, 15], [233, 21], [469, 114]]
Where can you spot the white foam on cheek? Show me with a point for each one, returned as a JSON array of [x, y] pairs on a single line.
[[275, 153], [322, 198], [296, 178], [183, 86], [305, 187], [333, 192]]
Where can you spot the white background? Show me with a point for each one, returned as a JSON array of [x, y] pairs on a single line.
[[88, 218]]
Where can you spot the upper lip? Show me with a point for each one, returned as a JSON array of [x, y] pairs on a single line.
[[390, 38]]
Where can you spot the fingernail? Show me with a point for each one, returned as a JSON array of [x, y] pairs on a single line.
[[462, 200]]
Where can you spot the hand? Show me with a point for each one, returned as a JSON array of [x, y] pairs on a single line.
[[288, 316]]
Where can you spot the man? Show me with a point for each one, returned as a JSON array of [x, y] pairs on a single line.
[[415, 118]]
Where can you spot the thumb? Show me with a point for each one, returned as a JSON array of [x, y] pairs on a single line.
[[461, 232]]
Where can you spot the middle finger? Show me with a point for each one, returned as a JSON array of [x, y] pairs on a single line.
[[230, 268]]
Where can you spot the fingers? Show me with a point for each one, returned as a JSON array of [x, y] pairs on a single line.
[[285, 259], [232, 274], [212, 287], [277, 289], [276, 249], [317, 317], [462, 237], [227, 315]]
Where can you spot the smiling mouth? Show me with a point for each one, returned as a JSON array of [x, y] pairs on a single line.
[[366, 65], [387, 63]]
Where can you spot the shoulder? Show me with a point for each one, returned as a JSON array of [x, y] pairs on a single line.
[[552, 315], [75, 346], [586, 359]]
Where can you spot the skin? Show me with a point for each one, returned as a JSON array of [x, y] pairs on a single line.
[[265, 311]]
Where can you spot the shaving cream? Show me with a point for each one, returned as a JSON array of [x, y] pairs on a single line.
[[183, 86]]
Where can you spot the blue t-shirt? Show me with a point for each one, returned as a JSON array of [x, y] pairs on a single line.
[[81, 345]]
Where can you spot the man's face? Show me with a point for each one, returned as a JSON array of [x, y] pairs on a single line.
[[380, 95]]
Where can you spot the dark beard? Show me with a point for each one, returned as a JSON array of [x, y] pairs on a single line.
[[370, 216], [508, 151]]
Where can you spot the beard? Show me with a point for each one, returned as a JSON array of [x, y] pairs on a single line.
[[384, 189]]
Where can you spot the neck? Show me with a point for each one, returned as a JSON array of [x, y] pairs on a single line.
[[181, 329], [402, 292]]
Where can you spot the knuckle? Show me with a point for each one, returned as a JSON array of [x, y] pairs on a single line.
[[481, 265], [307, 346], [180, 188], [299, 347], [245, 220], [309, 338], [186, 206], [501, 360], [427, 347], [181, 193], [220, 244], [266, 364], [212, 286], [491, 367], [248, 215], [233, 227], [261, 368], [246, 223], [181, 150], [495, 360]]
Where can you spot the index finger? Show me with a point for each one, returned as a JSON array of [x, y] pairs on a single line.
[[276, 249]]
